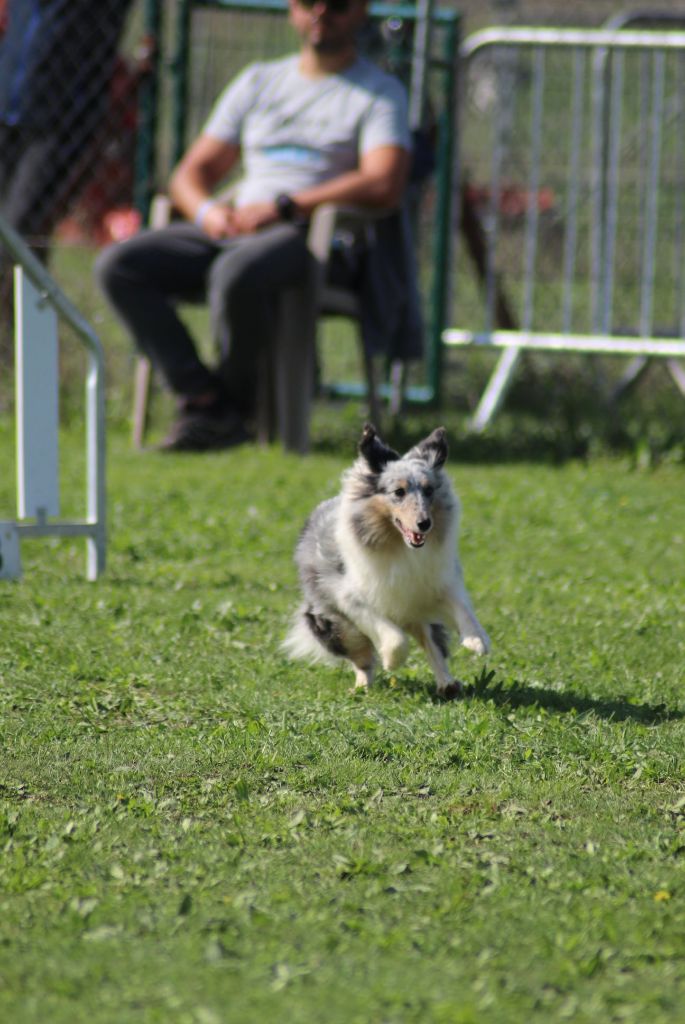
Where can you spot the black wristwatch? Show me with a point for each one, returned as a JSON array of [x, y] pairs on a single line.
[[286, 206]]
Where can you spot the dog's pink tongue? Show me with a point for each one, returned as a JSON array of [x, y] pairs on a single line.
[[415, 539]]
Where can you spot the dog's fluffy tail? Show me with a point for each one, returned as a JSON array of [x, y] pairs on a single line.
[[301, 643]]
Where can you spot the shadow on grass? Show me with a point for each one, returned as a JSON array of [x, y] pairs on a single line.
[[546, 443], [553, 414], [518, 695]]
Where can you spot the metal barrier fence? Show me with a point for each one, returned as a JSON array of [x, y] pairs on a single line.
[[38, 302], [573, 183]]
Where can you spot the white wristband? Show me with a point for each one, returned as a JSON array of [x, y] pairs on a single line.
[[205, 205]]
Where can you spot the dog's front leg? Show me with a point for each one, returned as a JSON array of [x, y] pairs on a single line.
[[473, 636], [447, 685]]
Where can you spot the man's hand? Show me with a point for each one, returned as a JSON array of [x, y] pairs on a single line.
[[206, 164], [217, 221], [224, 221], [253, 216]]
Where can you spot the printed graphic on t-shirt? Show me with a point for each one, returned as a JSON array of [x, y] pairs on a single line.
[[303, 156]]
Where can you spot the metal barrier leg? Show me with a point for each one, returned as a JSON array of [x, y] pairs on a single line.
[[95, 452], [10, 559], [496, 389], [37, 400], [636, 368], [678, 373]]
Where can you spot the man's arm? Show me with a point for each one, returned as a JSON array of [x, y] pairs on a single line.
[[204, 166], [378, 183]]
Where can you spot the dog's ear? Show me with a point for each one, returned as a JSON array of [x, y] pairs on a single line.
[[375, 451], [433, 449]]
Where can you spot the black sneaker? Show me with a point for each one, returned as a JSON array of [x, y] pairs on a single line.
[[198, 430]]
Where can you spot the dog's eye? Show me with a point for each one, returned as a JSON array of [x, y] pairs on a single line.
[[400, 492], [428, 491]]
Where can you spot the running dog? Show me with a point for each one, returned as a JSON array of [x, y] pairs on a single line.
[[379, 561]]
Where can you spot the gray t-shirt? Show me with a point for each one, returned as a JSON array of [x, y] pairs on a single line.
[[295, 132]]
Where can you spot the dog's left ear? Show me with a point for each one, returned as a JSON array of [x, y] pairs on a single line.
[[375, 451], [433, 449]]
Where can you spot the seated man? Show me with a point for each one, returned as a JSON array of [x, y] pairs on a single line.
[[321, 126]]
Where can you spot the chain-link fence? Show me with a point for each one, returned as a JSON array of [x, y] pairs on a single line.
[[67, 121]]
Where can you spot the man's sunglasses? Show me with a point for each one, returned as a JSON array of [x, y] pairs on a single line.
[[337, 6]]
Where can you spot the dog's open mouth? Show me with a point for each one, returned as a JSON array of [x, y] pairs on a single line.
[[413, 539]]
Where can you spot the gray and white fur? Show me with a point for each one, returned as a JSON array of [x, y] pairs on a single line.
[[379, 563]]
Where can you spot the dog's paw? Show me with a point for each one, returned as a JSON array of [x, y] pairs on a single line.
[[453, 690], [479, 643], [394, 651]]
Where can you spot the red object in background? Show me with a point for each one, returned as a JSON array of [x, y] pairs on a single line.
[[513, 200], [118, 225], [103, 212], [114, 225]]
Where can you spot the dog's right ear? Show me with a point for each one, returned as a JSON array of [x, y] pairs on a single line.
[[434, 448], [375, 451]]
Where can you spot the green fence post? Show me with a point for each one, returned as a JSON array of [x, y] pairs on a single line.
[[148, 102], [179, 70]]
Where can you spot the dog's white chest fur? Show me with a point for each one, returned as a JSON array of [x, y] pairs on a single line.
[[405, 586]]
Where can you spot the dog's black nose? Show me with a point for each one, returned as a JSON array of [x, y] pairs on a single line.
[[424, 526]]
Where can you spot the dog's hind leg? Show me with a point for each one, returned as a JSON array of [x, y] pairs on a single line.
[[363, 676], [387, 638], [433, 639]]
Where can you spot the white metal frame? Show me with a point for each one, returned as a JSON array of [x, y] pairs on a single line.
[[38, 300]]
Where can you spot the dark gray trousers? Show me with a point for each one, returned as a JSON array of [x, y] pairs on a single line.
[[241, 278]]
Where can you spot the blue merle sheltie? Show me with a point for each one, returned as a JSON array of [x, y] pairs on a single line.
[[379, 562]]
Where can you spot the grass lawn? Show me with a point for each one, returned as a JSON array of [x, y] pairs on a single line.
[[195, 831]]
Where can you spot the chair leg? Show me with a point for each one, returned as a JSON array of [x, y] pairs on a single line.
[[286, 386], [142, 386], [266, 412], [293, 363], [375, 413], [398, 380]]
